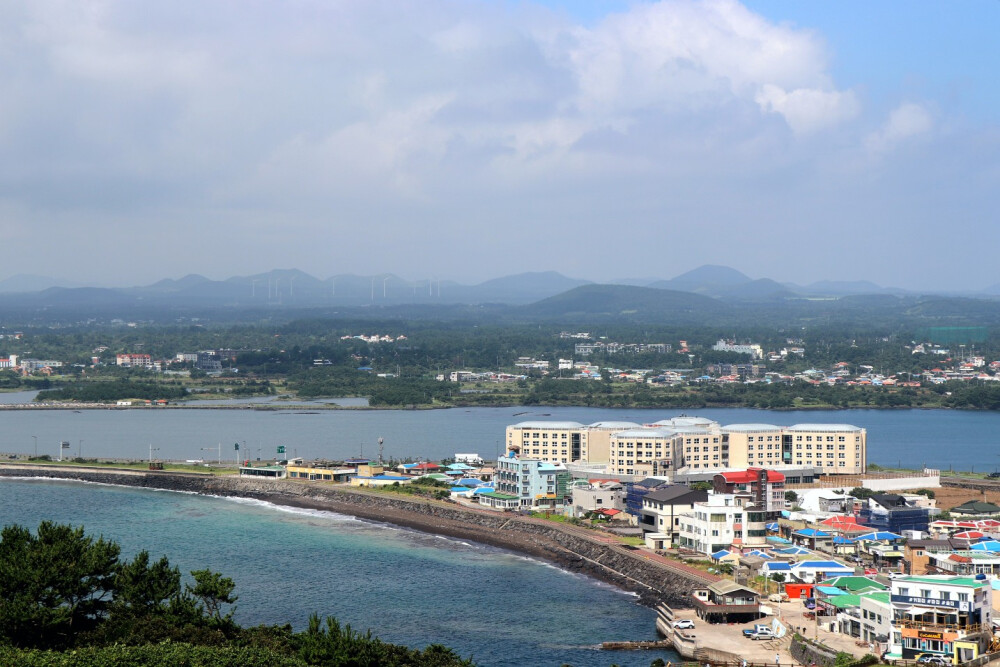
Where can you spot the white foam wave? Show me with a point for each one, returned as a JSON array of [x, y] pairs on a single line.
[[301, 511]]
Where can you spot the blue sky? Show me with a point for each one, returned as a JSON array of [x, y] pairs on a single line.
[[798, 141]]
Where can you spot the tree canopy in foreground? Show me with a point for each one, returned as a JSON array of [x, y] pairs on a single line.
[[67, 598]]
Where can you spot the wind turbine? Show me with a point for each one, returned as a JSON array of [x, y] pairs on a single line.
[[384, 280]]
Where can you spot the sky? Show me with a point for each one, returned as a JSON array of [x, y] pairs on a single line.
[[798, 141]]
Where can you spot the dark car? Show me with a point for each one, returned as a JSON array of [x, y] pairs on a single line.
[[993, 475]]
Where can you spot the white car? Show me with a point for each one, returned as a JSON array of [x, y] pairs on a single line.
[[684, 624]]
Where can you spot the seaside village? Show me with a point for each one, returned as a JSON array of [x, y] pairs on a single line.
[[797, 537]]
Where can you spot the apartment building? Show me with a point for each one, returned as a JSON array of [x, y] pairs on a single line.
[[712, 525], [765, 487], [647, 452], [536, 484], [134, 360], [662, 510]]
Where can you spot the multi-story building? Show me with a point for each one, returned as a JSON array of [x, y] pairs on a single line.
[[662, 510], [712, 525], [645, 451], [837, 449], [597, 495], [694, 444], [753, 349], [765, 487], [35, 365], [595, 441], [552, 441], [941, 615], [891, 512], [134, 360], [8, 362], [536, 483]]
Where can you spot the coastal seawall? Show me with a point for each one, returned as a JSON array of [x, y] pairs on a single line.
[[572, 548]]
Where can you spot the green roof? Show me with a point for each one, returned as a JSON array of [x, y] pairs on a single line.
[[949, 581], [843, 601], [853, 584], [499, 496], [881, 596]]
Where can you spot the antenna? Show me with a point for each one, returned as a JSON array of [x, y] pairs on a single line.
[[380, 441]]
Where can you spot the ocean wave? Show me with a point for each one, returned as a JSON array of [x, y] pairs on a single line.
[[301, 511]]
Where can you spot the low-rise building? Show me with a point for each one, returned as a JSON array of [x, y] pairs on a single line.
[[597, 495], [941, 615]]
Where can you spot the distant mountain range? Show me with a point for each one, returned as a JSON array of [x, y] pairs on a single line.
[[707, 294]]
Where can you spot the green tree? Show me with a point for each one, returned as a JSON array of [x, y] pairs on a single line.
[[791, 496], [53, 584], [213, 590]]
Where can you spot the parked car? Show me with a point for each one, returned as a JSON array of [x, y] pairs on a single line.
[[762, 633], [750, 632], [810, 603], [684, 624], [993, 475], [933, 659]]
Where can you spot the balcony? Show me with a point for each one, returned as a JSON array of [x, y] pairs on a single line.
[[703, 607]]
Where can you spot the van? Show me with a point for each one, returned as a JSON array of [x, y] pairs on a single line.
[[777, 597]]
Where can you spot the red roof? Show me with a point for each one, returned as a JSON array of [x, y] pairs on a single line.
[[750, 475], [608, 511], [426, 466], [968, 535], [847, 522]]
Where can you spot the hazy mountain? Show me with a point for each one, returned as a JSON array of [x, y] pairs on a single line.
[[23, 282], [626, 302]]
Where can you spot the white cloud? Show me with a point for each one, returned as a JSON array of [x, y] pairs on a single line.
[[338, 119], [906, 121], [807, 110]]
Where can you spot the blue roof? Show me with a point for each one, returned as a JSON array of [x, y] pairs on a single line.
[[842, 540], [771, 526], [759, 554], [878, 535], [793, 551], [811, 532], [990, 545], [823, 565], [469, 481], [779, 566], [830, 590], [720, 554]]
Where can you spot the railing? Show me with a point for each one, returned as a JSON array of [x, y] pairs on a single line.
[[710, 607], [940, 627]]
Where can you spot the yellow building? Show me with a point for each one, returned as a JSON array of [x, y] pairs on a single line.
[[320, 474], [647, 452], [550, 441], [836, 449], [694, 443], [596, 441]]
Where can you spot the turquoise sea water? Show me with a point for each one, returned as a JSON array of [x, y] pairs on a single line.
[[407, 587]]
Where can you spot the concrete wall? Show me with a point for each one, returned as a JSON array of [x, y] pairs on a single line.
[[903, 483]]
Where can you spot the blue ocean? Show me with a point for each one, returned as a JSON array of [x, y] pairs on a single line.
[[408, 587]]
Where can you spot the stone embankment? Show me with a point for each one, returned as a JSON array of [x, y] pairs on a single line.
[[576, 549]]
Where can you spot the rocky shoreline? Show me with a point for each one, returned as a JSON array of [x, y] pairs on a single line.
[[570, 548]]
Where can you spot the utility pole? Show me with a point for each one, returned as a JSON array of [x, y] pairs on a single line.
[[151, 450], [35, 437]]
